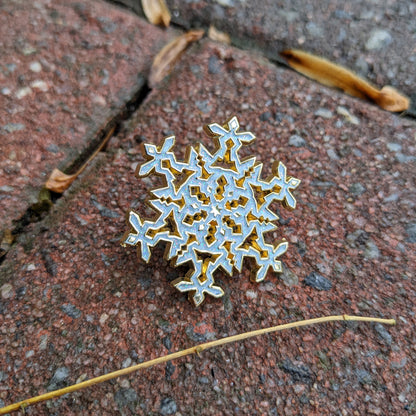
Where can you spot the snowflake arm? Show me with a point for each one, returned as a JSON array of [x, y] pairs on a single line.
[[286, 184]]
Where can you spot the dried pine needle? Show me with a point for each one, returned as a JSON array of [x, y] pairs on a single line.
[[193, 350]]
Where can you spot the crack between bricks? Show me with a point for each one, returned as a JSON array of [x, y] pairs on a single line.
[[39, 210], [246, 43], [255, 47]]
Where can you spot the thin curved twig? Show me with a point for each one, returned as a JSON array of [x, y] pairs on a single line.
[[193, 350]]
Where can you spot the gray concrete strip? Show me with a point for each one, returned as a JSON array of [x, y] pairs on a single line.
[[375, 39]]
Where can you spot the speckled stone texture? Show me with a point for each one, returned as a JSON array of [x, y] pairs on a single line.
[[66, 70], [376, 39], [75, 304]]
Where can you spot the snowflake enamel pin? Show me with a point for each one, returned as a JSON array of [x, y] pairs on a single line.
[[214, 210]]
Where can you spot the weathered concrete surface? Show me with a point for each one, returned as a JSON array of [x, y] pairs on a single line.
[[76, 305], [376, 39], [66, 70]]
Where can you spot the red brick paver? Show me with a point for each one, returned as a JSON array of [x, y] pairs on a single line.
[[79, 305], [66, 70]]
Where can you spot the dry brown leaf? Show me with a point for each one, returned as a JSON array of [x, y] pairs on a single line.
[[156, 12], [59, 182], [218, 36], [333, 75], [166, 59]]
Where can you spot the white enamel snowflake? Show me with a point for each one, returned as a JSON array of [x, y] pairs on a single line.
[[214, 210]]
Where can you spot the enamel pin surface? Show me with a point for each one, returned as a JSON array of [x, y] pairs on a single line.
[[213, 210]]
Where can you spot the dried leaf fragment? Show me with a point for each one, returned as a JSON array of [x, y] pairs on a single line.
[[218, 36], [166, 59], [348, 116], [334, 75], [59, 182], [156, 12], [392, 100], [8, 237], [6, 242]]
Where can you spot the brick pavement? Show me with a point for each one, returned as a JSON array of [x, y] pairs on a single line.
[[74, 304], [67, 71], [376, 40]]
